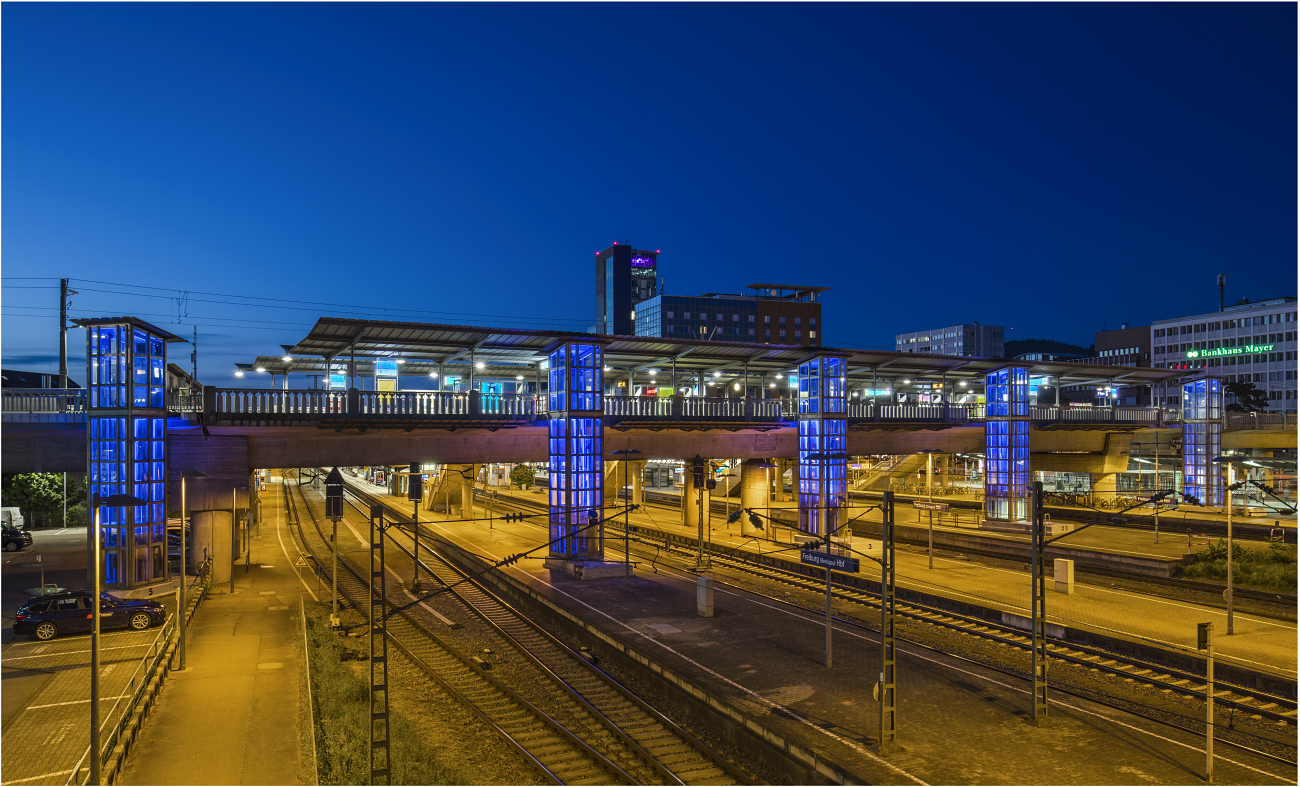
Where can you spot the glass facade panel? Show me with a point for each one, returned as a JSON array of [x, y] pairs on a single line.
[[575, 446], [126, 451], [1203, 439], [1006, 444], [823, 440]]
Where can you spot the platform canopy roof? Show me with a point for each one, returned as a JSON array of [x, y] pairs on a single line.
[[511, 352]]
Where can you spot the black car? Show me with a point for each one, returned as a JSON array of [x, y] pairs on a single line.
[[15, 539], [69, 613]]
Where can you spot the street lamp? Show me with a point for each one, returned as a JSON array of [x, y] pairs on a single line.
[[114, 501], [627, 510], [184, 555]]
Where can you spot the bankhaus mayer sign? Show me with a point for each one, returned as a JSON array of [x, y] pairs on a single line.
[[1246, 349]]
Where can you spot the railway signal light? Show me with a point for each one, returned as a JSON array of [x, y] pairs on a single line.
[[711, 484], [697, 471], [334, 495], [414, 489], [1203, 635]]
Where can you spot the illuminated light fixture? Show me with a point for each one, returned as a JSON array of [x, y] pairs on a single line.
[[288, 359], [963, 382], [778, 375], [771, 385], [239, 372], [433, 374], [652, 374], [907, 382], [717, 374], [607, 368], [478, 365], [401, 360], [260, 369], [735, 386], [519, 377]]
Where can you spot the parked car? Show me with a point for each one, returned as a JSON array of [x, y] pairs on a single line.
[[12, 516], [16, 539], [70, 613]]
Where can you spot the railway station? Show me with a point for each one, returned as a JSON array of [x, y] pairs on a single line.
[[817, 557]]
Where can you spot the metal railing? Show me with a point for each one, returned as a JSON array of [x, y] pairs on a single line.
[[243, 401], [713, 407], [412, 403], [1238, 421], [178, 402], [43, 400], [639, 406]]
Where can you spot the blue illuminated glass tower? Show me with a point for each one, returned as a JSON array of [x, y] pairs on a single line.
[[823, 444], [1006, 444], [126, 373], [1203, 439], [576, 449]]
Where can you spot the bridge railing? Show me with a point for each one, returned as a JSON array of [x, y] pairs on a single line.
[[43, 400], [411, 404], [242, 401], [178, 402], [1097, 415], [1239, 421], [713, 407], [639, 406]]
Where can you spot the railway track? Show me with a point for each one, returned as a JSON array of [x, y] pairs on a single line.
[[1253, 702], [1191, 586], [645, 746]]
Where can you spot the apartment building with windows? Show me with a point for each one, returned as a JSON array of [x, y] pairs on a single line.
[[973, 339], [772, 314]]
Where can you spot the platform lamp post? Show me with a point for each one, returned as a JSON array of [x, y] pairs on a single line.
[[415, 493], [827, 456], [180, 609], [929, 489], [113, 501], [1231, 487], [627, 510]]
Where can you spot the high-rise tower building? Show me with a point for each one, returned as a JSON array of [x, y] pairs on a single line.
[[624, 277]]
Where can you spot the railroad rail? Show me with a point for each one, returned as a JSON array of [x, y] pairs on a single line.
[[1251, 701], [656, 749], [561, 756]]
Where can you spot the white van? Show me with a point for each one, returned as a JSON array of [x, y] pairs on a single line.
[[11, 516]]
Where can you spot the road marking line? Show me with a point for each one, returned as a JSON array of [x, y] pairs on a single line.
[[34, 778], [77, 702]]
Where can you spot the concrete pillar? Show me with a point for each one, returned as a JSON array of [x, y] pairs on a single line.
[[211, 537], [690, 499], [467, 493], [637, 472], [754, 492]]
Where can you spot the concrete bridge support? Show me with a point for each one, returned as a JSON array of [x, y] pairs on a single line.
[[613, 483], [691, 499], [212, 536], [755, 491]]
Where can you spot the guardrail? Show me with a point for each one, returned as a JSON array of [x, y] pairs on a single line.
[[43, 400], [1238, 421]]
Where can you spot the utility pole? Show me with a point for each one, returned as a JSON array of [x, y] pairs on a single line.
[[380, 767], [64, 292], [1038, 608], [1228, 595], [1205, 642], [888, 709], [194, 360]]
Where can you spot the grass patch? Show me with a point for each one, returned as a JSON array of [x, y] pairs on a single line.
[[343, 722], [1273, 568]]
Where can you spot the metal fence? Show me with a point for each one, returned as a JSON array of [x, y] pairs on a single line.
[[43, 400]]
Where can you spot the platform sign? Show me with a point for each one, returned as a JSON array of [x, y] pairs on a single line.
[[811, 557], [1164, 501], [338, 382], [928, 506], [385, 367]]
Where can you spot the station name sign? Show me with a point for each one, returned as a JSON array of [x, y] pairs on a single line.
[[1220, 351], [927, 506], [848, 565]]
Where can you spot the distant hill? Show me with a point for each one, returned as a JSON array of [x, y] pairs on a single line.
[[1017, 347]]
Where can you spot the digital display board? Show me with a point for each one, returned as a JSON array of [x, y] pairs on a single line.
[[338, 382], [385, 368]]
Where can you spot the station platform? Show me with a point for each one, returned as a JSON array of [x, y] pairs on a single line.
[[234, 715], [958, 722]]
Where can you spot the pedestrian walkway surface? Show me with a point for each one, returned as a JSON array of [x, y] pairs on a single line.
[[233, 716], [959, 722]]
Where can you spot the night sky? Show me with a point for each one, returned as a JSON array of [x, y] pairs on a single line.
[[1052, 168]]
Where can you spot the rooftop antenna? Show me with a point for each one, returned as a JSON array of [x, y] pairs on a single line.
[[1223, 280]]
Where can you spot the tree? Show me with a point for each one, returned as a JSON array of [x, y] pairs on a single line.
[[1244, 397], [35, 493], [522, 476]]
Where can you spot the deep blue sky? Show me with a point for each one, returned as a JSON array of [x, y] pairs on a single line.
[[1046, 167]]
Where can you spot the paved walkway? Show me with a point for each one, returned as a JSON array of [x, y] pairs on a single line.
[[235, 714], [959, 723]]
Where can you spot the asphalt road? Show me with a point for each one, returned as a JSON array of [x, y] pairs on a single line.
[[63, 553]]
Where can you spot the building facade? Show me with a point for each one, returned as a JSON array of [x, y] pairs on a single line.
[[1251, 341], [772, 314], [625, 277], [972, 339], [1124, 346]]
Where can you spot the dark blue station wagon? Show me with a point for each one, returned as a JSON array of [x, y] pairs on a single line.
[[70, 613]]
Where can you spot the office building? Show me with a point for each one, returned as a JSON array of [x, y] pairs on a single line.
[[770, 314], [625, 277], [1124, 346], [1248, 341], [973, 339]]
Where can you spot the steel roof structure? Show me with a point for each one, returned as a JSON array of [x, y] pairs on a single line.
[[87, 322], [510, 352]]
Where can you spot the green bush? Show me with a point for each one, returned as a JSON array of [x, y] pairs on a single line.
[[1273, 568], [343, 723], [522, 476]]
